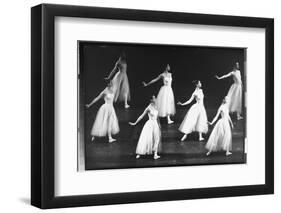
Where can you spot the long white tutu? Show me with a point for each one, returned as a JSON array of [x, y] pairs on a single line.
[[121, 86], [220, 138], [106, 121], [195, 120], [149, 140], [235, 98], [165, 101]]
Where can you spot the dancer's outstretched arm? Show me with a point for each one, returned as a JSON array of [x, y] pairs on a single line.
[[95, 99], [224, 76], [216, 117], [152, 81], [139, 118], [187, 102]]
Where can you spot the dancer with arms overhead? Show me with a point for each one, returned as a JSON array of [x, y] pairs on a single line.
[[120, 81]]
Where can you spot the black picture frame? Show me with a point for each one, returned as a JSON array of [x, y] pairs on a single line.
[[43, 117]]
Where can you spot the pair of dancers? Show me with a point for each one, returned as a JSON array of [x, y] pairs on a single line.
[[163, 106], [118, 89], [221, 136]]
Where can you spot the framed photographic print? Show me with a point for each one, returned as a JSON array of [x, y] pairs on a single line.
[[141, 106]]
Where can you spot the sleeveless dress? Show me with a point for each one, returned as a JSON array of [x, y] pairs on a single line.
[[150, 137], [165, 99], [196, 117], [221, 138], [106, 120], [235, 93], [120, 82]]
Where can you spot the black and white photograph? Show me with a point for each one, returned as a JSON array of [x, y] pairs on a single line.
[[156, 105]]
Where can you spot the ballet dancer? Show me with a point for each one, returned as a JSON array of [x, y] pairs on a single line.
[[196, 117], [235, 91], [165, 101], [221, 138], [120, 81], [106, 122], [150, 137]]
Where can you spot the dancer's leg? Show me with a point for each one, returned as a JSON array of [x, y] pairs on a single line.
[[183, 137], [200, 136], [169, 119], [126, 101]]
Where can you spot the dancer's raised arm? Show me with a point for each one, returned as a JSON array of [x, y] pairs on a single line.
[[140, 117], [96, 99], [224, 76], [187, 102], [114, 70], [216, 117], [152, 81]]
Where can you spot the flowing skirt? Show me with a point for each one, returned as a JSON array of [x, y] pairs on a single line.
[[235, 98], [106, 121], [150, 138], [195, 120], [220, 138], [165, 101], [121, 86]]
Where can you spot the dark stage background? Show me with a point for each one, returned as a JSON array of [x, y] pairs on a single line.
[[146, 62]]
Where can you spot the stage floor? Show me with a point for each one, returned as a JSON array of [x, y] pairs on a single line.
[[100, 154]]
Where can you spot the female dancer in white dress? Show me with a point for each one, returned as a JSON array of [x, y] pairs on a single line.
[[106, 122], [150, 137], [165, 99], [235, 91], [120, 81], [221, 138], [196, 117]]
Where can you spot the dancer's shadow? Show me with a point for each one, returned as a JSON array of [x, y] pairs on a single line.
[[25, 200]]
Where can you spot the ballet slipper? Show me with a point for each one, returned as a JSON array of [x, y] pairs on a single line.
[[170, 122], [111, 140], [228, 153], [156, 157], [201, 139], [137, 156], [239, 117], [93, 138], [183, 138], [208, 153], [127, 106]]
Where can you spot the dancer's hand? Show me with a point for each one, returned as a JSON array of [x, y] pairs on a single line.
[[232, 125], [132, 124], [144, 84], [210, 123], [217, 77], [88, 105], [107, 78], [179, 103]]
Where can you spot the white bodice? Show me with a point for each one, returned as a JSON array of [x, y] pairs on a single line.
[[224, 111], [167, 79], [199, 95], [236, 77], [108, 97], [152, 113]]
